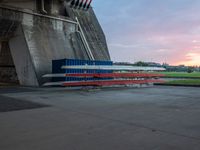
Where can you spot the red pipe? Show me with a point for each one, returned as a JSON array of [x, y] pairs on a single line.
[[110, 82]]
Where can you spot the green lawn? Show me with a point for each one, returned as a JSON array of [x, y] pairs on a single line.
[[184, 82], [192, 79], [181, 74]]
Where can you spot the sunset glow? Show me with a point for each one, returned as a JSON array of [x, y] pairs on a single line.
[[152, 30], [193, 59]]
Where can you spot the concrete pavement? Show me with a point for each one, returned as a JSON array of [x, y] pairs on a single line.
[[155, 118]]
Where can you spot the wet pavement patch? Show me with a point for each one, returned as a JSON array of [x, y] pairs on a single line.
[[11, 104]]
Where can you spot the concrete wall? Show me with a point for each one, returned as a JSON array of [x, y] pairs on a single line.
[[37, 40], [93, 32], [25, 4], [23, 61], [49, 39]]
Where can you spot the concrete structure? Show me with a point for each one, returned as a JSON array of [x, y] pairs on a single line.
[[157, 118], [35, 34]]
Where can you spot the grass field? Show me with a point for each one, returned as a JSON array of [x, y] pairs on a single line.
[[181, 74], [192, 79], [195, 82]]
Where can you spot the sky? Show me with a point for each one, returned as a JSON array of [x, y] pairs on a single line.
[[164, 31]]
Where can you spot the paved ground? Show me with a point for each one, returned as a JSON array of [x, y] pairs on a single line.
[[156, 118]]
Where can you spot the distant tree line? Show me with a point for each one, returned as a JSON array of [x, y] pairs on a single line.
[[180, 68]]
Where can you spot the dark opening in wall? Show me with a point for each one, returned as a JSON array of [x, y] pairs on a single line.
[[44, 6], [7, 68], [52, 7], [64, 10]]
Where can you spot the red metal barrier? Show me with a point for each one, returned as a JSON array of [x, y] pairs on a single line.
[[110, 82]]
